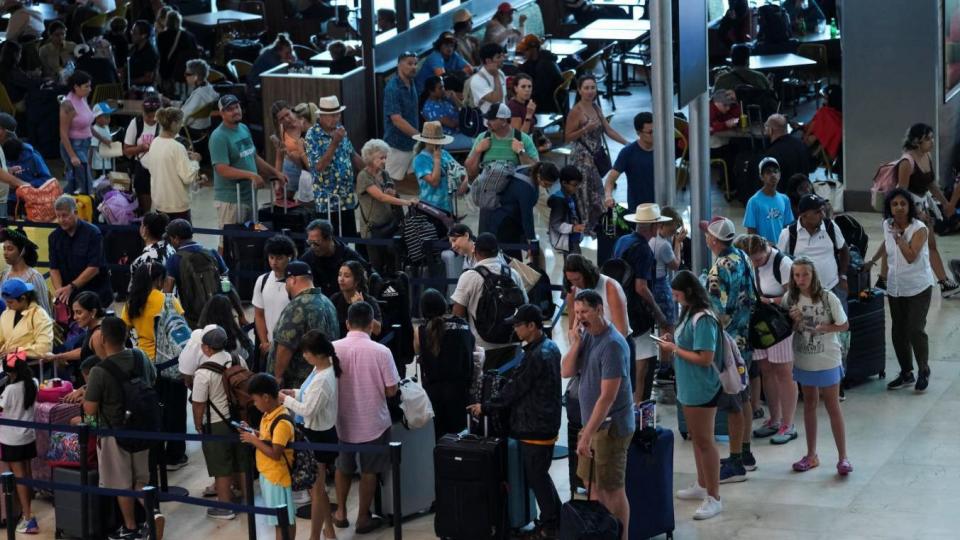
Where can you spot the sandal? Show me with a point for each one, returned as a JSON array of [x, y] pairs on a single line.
[[372, 525], [844, 467], [806, 463], [341, 523]]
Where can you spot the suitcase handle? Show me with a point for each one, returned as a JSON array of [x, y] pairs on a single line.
[[253, 200], [486, 429], [273, 182]]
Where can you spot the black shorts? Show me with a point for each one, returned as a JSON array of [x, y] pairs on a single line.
[[329, 436], [13, 454], [712, 403]]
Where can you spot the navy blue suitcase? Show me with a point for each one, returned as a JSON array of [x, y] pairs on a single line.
[[719, 425], [650, 484]]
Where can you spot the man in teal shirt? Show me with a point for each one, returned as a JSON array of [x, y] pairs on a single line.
[[235, 164], [499, 143]]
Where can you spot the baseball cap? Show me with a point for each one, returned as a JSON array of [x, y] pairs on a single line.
[[768, 162], [497, 110], [214, 337], [720, 228], [505, 7], [530, 40], [8, 122], [179, 228], [298, 268], [811, 202], [445, 37], [487, 243], [459, 230], [227, 101], [151, 102], [102, 108], [15, 288], [406, 54], [527, 313]]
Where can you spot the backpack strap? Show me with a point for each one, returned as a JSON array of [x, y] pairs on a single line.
[[792, 232], [777, 259], [273, 426]]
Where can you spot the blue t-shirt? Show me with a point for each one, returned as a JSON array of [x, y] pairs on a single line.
[[401, 99], [768, 214], [602, 357], [696, 384], [436, 109], [637, 164], [641, 260], [422, 166], [436, 60]]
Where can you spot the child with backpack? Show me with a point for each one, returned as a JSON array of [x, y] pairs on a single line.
[[566, 225], [818, 318], [226, 461], [273, 457], [18, 445]]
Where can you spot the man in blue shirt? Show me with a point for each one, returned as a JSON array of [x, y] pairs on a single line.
[[636, 161], [401, 117], [77, 263], [768, 211], [444, 60]]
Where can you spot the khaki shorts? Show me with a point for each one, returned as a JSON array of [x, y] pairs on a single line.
[[120, 469], [224, 458], [610, 456], [399, 163], [370, 462], [227, 213]]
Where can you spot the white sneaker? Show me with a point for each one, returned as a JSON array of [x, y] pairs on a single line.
[[692, 493], [301, 497], [708, 509]]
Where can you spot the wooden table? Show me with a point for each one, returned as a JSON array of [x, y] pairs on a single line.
[[47, 10], [211, 20], [769, 62]]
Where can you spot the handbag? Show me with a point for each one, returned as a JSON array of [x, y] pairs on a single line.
[[769, 323], [414, 402], [38, 202]]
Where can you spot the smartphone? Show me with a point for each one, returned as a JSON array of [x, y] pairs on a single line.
[[240, 427], [658, 339]]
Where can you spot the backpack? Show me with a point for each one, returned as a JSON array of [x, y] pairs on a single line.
[[639, 314], [774, 24], [199, 281], [831, 232], [499, 299], [733, 373], [172, 334], [885, 180], [471, 118], [852, 232], [492, 180], [140, 401], [119, 208], [303, 469], [235, 380]]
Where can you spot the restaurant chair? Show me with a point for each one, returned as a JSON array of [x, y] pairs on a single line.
[[104, 92], [238, 70], [94, 26], [121, 11], [216, 76], [561, 94], [304, 53], [254, 7], [203, 112]]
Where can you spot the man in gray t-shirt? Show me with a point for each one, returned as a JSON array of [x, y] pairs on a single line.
[[600, 354]]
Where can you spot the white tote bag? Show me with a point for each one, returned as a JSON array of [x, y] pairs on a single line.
[[416, 406]]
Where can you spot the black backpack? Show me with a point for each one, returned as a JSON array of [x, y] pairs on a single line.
[[199, 281], [392, 294], [141, 403], [499, 299], [471, 121], [852, 232], [638, 312]]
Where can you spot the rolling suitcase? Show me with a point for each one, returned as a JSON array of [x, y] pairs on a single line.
[[719, 426], [470, 478], [649, 483], [868, 344], [102, 520], [418, 495], [245, 254], [50, 413], [521, 503], [588, 520]]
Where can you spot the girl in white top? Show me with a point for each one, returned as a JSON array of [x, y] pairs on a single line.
[[315, 404], [909, 287], [818, 316], [172, 168], [18, 445], [772, 275]]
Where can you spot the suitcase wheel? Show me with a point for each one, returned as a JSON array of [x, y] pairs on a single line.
[[684, 435]]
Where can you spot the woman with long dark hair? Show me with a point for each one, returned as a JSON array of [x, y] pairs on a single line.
[[145, 304], [315, 404], [76, 119], [697, 348], [88, 312], [585, 127], [219, 311], [20, 254], [353, 282], [444, 344]]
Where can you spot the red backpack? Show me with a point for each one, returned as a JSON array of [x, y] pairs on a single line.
[[235, 379]]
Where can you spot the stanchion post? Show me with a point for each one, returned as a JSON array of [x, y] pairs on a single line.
[[84, 435], [9, 483], [150, 504], [396, 451], [283, 521], [250, 473], [161, 460]]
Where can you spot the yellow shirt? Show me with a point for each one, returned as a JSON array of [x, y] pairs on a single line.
[[145, 325], [34, 332], [276, 470]]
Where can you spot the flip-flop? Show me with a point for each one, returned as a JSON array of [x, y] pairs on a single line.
[[341, 523], [372, 525]]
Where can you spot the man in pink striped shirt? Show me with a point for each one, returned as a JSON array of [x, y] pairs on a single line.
[[369, 377]]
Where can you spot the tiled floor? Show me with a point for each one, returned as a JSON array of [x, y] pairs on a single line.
[[905, 449]]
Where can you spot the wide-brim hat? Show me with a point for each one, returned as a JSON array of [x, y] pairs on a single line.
[[432, 133], [462, 15], [330, 105], [647, 213]]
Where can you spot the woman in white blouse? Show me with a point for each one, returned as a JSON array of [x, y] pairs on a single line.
[[909, 285], [315, 405]]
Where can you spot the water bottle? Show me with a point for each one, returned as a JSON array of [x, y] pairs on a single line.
[[834, 30], [225, 285]]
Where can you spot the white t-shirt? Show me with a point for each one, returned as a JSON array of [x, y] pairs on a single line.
[[769, 286], [481, 84], [467, 294], [818, 247], [11, 401], [271, 298], [98, 162], [208, 386], [812, 350], [150, 132], [905, 278], [191, 356]]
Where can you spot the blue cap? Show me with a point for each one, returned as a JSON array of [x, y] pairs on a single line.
[[15, 288], [102, 108]]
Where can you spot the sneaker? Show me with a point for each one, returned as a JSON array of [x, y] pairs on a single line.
[[949, 288], [904, 379], [178, 464], [160, 520], [784, 435], [844, 467], [758, 413], [124, 533], [749, 462], [709, 508], [692, 493], [843, 395], [806, 463], [220, 513], [732, 471], [28, 526], [768, 429], [923, 380]]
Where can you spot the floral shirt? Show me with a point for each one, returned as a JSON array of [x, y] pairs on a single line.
[[435, 109], [310, 310], [338, 178], [730, 287]]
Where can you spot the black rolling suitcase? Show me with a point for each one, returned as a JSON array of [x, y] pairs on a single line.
[[868, 344], [588, 520], [245, 254], [287, 215], [103, 518], [470, 474], [121, 248]]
